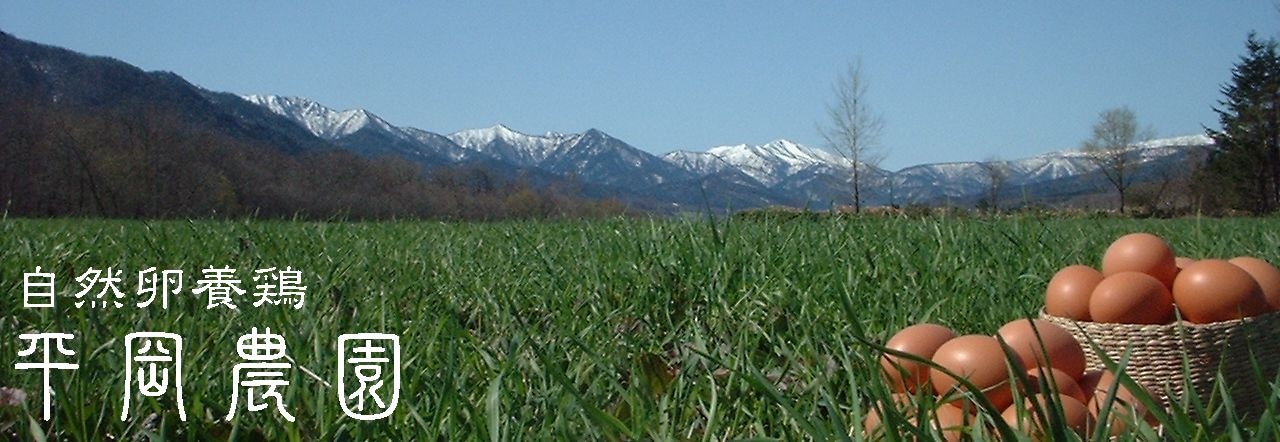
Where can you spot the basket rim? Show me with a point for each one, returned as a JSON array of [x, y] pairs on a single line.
[[1175, 325]]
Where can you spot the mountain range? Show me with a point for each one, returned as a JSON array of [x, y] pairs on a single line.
[[739, 176], [730, 177]]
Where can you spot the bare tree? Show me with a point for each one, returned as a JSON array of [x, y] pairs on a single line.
[[996, 172], [1115, 133], [854, 129]]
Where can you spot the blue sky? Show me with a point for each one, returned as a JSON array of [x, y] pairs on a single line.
[[954, 81]]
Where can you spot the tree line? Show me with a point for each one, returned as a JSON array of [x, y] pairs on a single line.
[[1242, 172], [146, 161], [1239, 174]]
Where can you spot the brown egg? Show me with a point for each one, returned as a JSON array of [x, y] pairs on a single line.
[[1025, 338], [1059, 382], [1126, 409], [1067, 294], [1075, 415], [1131, 298], [871, 423], [948, 420], [977, 358], [920, 340], [1017, 419], [898, 401], [952, 422], [1267, 276], [1182, 262], [1141, 252], [1214, 290]]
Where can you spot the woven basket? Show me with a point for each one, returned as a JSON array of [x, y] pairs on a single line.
[[1157, 353]]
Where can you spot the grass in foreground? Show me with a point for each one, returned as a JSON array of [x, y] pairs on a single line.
[[623, 329]]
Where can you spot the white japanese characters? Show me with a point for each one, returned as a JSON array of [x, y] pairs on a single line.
[[282, 287], [150, 285], [368, 358], [368, 363], [37, 289], [101, 289], [108, 293], [219, 285], [260, 376], [153, 360], [43, 341]]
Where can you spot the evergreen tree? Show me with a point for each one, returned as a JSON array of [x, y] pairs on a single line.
[[1245, 171]]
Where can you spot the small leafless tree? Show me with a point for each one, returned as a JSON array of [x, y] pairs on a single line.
[[1114, 135], [996, 172], [854, 129]]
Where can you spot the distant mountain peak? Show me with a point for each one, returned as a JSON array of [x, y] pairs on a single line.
[[1175, 142], [501, 141], [485, 135], [362, 131], [771, 162], [791, 149], [504, 130], [320, 120]]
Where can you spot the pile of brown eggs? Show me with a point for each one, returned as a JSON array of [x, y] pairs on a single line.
[[1143, 282], [1040, 349]]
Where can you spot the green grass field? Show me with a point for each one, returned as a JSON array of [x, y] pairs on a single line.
[[627, 329]]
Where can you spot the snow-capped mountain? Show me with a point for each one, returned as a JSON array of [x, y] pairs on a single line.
[[813, 177], [768, 163], [501, 141], [739, 176], [592, 156], [698, 163], [363, 132], [323, 122]]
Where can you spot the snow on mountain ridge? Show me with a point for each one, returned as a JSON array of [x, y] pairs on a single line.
[[1154, 144], [532, 148], [362, 131], [321, 121], [785, 171], [783, 163], [1184, 140], [700, 163], [772, 162], [786, 151]]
